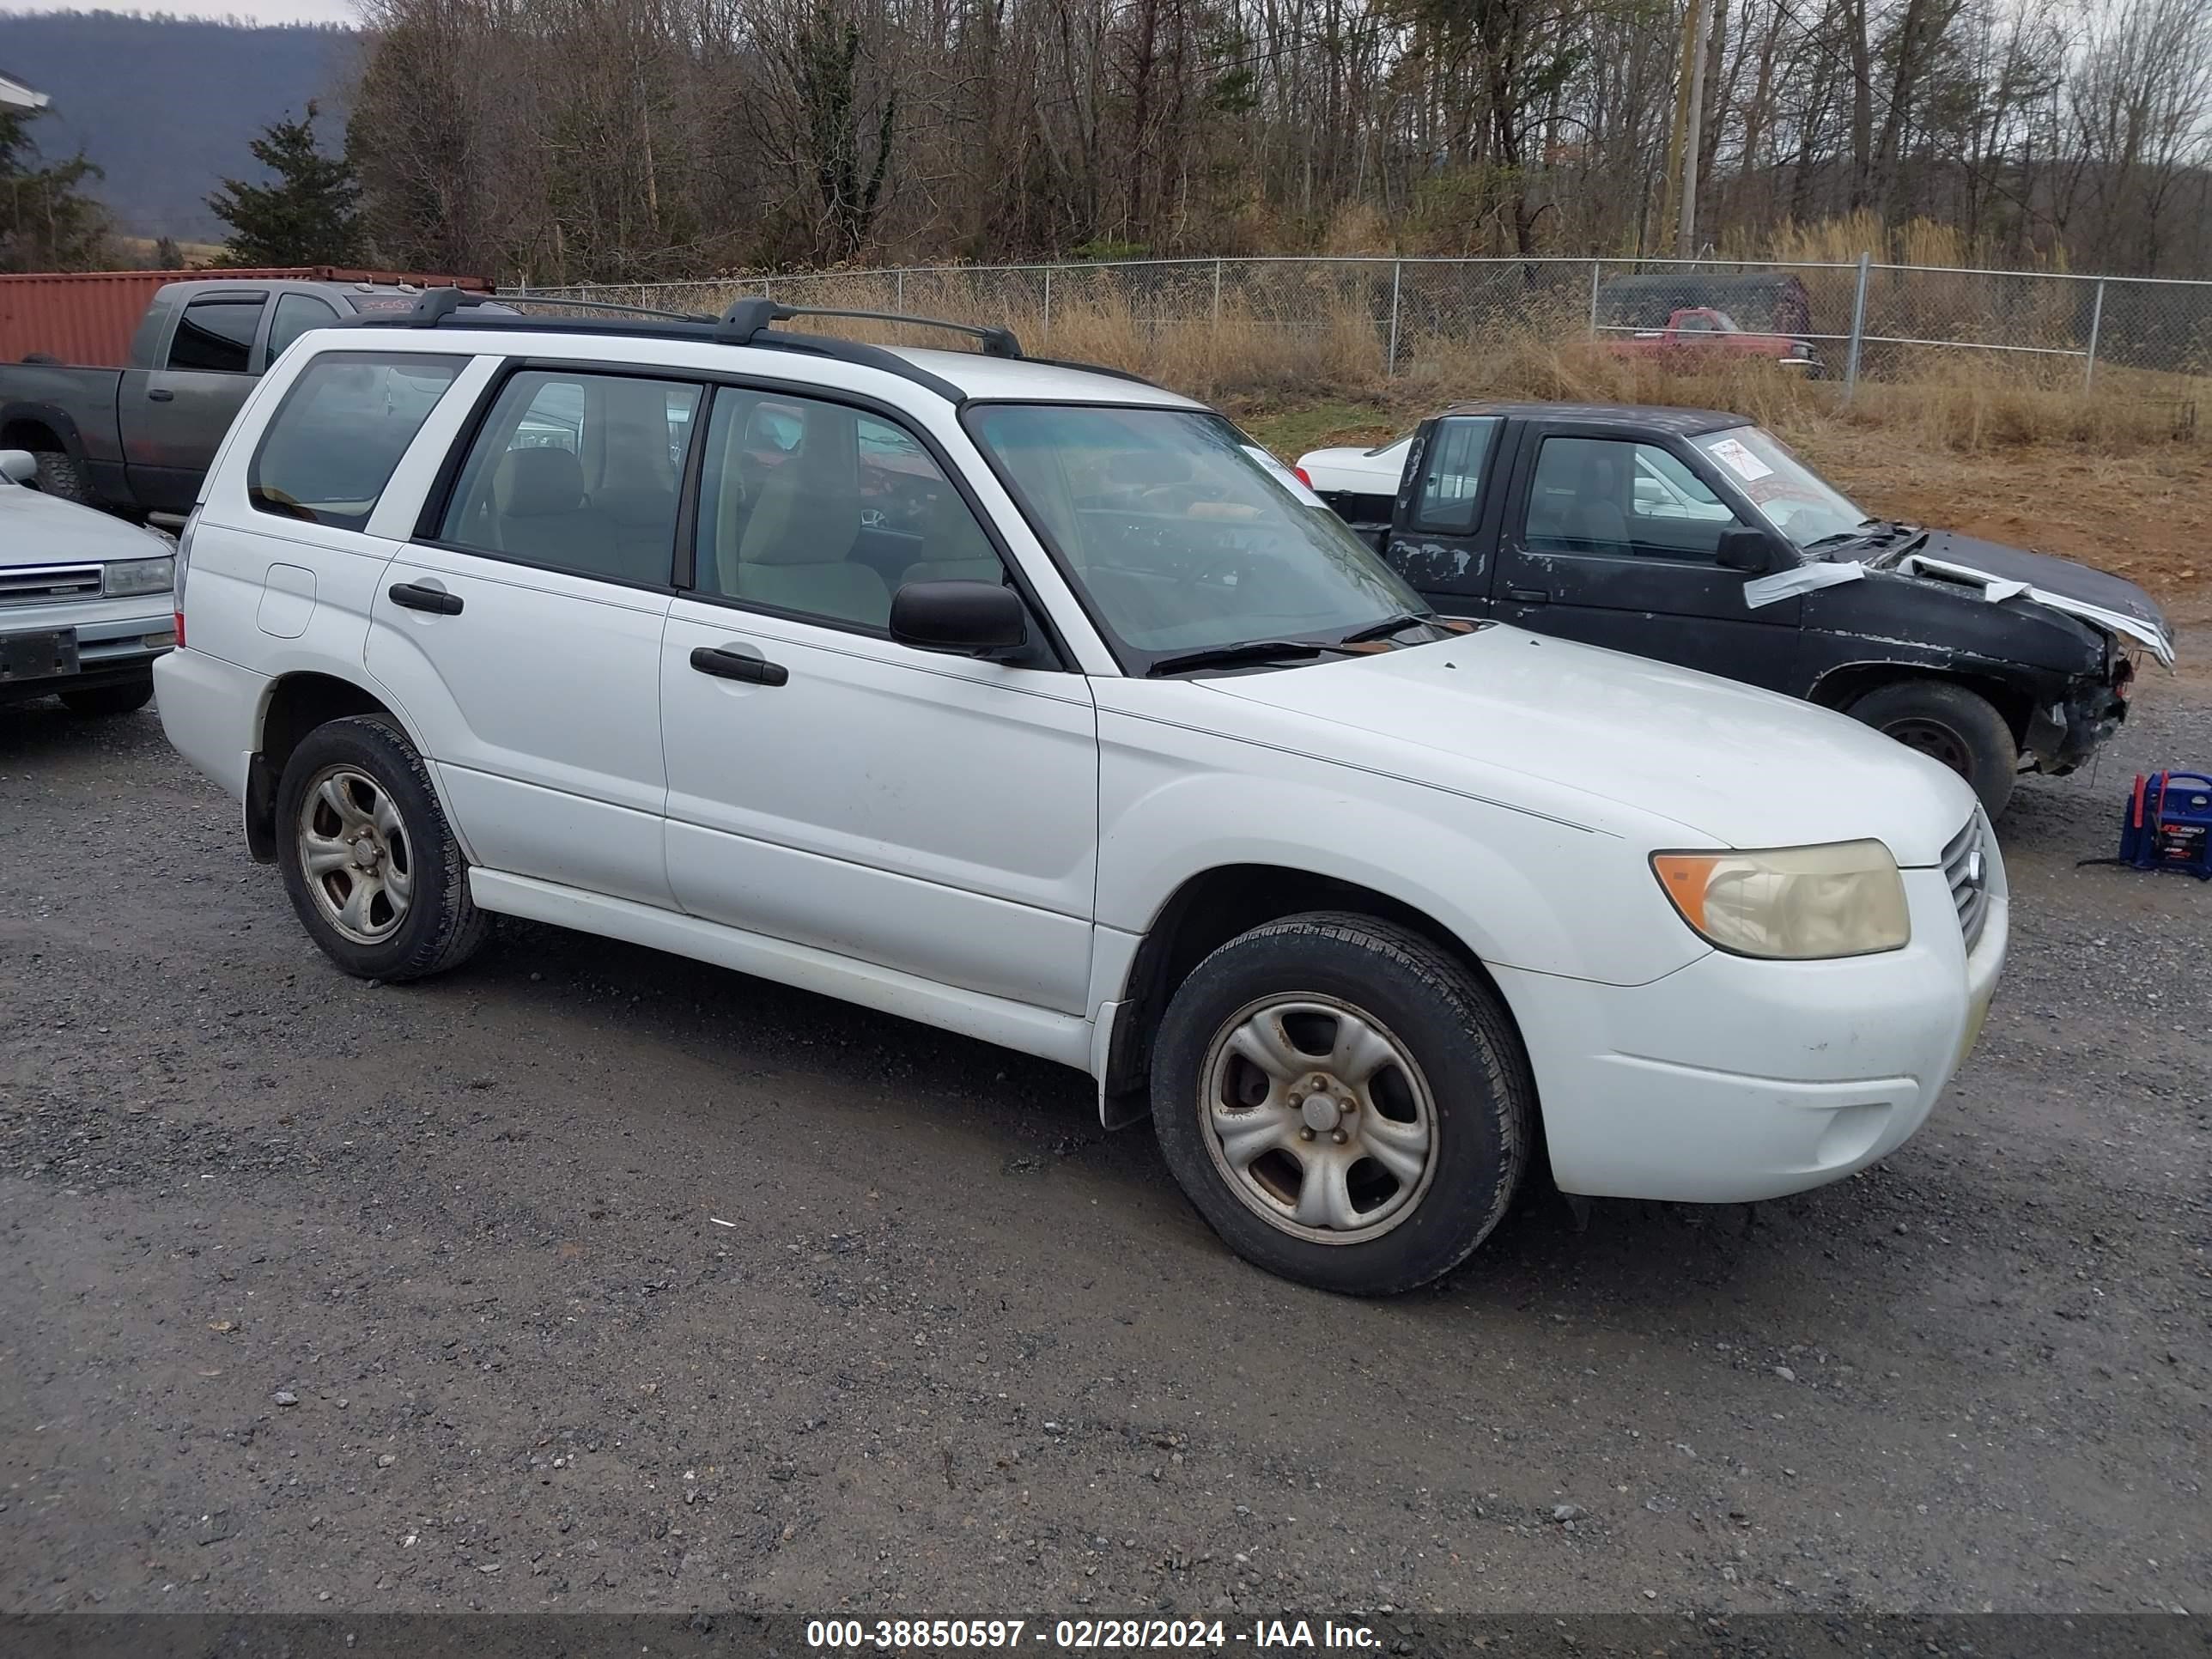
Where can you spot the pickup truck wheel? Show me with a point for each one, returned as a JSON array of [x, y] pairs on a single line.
[[1949, 723], [59, 475], [368, 860], [1346, 1103], [96, 700]]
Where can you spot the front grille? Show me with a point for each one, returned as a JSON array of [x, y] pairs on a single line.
[[48, 584], [1966, 867]]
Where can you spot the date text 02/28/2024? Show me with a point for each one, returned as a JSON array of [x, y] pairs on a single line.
[[939, 1635]]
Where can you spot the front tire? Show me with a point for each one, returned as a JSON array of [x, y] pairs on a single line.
[[371, 865], [1346, 1104], [1949, 723], [96, 701]]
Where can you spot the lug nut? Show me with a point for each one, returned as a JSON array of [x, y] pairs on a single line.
[[1296, 1099], [1340, 1137], [1305, 1134]]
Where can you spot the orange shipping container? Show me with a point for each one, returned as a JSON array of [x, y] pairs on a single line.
[[88, 317]]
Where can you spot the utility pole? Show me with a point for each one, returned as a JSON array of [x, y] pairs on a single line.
[[1702, 14], [1680, 205]]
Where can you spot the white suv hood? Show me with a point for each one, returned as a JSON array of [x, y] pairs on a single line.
[[1736, 766]]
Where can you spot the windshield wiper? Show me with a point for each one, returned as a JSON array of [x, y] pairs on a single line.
[[1255, 650], [1383, 629]]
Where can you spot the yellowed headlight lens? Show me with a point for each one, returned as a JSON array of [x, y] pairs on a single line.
[[1791, 903]]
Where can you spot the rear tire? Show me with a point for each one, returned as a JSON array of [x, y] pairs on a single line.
[[370, 864], [1951, 724], [96, 701], [1346, 1104], [60, 476]]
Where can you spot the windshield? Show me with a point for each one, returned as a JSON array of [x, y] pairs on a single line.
[[1788, 494], [1179, 534]]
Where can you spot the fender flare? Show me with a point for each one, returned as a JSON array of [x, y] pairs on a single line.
[[53, 417]]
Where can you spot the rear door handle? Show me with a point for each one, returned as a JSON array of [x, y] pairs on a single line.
[[1528, 595], [735, 666], [413, 596], [161, 394]]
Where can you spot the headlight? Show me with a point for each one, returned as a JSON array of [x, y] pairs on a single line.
[[1797, 904], [126, 577]]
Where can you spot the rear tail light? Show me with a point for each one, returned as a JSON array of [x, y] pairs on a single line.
[[184, 566], [1302, 477]]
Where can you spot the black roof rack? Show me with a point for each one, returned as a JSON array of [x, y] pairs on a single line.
[[747, 318], [745, 323]]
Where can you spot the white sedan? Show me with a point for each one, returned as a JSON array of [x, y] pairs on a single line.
[[85, 599], [1350, 471]]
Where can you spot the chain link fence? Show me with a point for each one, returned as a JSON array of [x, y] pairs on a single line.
[[1846, 321]]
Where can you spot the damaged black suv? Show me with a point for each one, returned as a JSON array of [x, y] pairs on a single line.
[[1696, 539]]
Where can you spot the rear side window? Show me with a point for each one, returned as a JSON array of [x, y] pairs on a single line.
[[1450, 499], [295, 314], [578, 472], [217, 334], [332, 445]]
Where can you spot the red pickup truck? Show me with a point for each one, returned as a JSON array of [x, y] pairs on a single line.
[[1694, 335]]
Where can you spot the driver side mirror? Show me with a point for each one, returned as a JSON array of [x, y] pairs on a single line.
[[18, 466], [1745, 549], [964, 619]]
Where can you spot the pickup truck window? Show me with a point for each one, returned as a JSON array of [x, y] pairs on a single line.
[[1450, 500], [577, 472], [1788, 494], [1610, 495], [295, 314], [820, 510], [332, 445], [216, 334], [1178, 537]]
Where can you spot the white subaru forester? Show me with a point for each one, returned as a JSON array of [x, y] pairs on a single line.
[[1036, 702]]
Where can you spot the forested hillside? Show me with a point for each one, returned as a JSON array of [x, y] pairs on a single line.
[[165, 105], [614, 139]]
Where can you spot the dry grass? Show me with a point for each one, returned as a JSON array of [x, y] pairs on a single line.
[[2014, 448], [1321, 338]]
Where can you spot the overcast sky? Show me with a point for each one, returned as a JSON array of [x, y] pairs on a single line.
[[258, 11]]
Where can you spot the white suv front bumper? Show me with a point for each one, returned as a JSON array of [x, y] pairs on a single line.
[[1733, 1079]]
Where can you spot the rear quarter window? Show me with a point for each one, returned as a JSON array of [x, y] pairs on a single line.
[[333, 443]]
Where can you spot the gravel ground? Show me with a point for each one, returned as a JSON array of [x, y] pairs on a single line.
[[593, 1279]]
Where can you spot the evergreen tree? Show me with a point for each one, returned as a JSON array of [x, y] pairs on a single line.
[[46, 223], [168, 256], [305, 217]]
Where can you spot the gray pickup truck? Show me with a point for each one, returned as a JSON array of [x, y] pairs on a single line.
[[137, 441]]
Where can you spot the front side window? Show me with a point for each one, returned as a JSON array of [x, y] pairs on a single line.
[[825, 512], [578, 472], [1788, 494], [216, 335], [1609, 496], [1180, 536], [334, 441]]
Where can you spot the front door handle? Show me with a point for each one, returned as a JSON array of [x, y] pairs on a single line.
[[735, 666], [413, 596], [1528, 595], [160, 394]]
